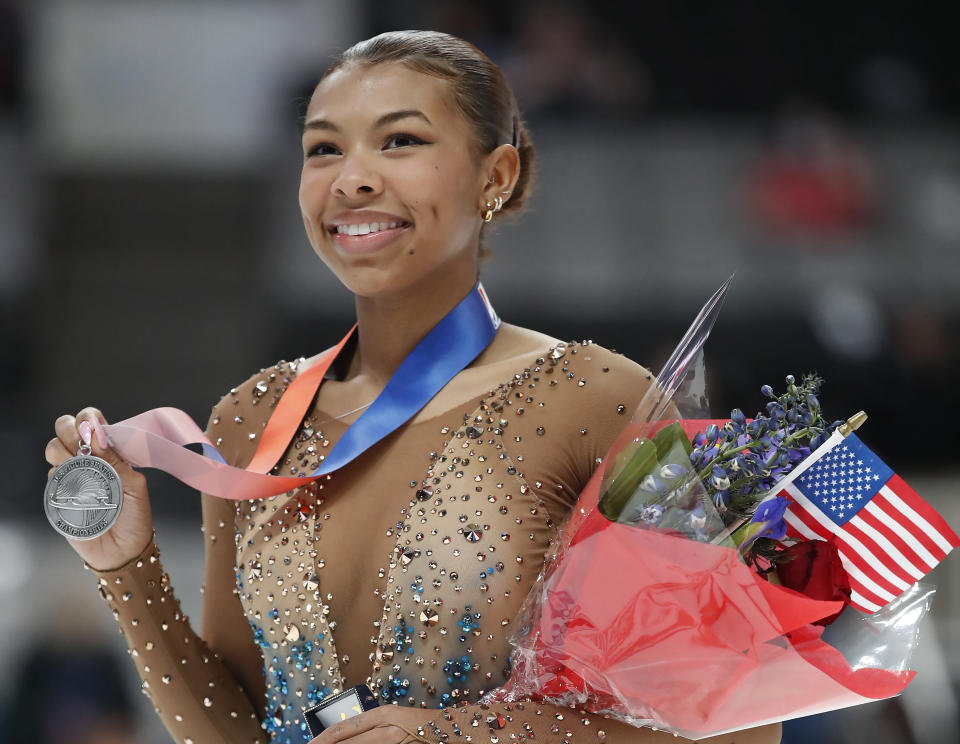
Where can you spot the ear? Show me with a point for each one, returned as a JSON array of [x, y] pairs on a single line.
[[500, 170]]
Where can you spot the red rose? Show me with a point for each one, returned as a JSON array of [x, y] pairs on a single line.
[[815, 570]]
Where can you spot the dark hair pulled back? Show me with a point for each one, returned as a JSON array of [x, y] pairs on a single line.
[[480, 91]]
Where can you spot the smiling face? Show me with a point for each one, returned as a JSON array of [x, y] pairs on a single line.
[[391, 186]]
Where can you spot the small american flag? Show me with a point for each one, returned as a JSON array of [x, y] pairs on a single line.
[[889, 538]]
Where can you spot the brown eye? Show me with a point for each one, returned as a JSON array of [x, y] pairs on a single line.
[[395, 141], [322, 148]]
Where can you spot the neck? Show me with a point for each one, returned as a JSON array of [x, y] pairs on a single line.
[[391, 326]]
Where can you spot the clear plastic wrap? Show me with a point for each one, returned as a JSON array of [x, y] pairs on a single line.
[[648, 613]]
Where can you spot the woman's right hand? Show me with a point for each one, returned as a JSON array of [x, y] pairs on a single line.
[[133, 530]]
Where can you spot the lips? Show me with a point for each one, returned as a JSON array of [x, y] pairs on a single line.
[[365, 228], [351, 220], [365, 231]]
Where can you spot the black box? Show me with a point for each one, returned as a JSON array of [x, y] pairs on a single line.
[[339, 707]]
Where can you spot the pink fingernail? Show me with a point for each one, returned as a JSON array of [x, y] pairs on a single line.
[[100, 434], [84, 430]]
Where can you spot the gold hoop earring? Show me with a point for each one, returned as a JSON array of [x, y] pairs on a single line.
[[488, 215]]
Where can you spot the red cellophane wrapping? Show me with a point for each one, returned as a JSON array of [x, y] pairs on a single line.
[[660, 630]]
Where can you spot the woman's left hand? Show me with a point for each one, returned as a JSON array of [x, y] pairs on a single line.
[[388, 724]]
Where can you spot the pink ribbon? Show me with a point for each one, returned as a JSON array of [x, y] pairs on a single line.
[[156, 439]]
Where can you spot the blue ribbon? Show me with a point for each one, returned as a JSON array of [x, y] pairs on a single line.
[[451, 345]]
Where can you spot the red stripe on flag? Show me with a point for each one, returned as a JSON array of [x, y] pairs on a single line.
[[793, 534], [811, 523], [856, 585], [869, 570], [900, 518], [895, 536], [859, 587], [891, 564], [921, 507]]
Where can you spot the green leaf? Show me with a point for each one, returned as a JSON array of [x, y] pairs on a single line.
[[618, 493], [667, 438]]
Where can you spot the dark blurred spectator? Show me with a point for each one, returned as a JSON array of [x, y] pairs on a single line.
[[563, 63], [562, 58]]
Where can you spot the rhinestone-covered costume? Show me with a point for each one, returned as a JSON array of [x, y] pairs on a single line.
[[404, 570]]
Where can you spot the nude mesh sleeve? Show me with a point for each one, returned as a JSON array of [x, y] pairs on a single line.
[[194, 693]]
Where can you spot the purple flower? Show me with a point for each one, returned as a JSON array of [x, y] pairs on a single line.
[[720, 499], [698, 517], [777, 473], [776, 531], [720, 480], [652, 484], [651, 514], [770, 513], [671, 471]]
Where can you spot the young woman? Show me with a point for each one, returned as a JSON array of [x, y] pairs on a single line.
[[406, 566]]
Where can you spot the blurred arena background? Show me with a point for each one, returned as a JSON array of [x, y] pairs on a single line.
[[152, 253]]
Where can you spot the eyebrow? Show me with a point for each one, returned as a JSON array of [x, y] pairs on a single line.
[[389, 118]]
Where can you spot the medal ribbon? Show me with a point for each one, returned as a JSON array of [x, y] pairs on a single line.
[[156, 438]]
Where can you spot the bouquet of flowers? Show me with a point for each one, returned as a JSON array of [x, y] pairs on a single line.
[[690, 591]]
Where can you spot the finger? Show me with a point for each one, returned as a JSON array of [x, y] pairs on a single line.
[[66, 430], [386, 733], [97, 421], [99, 444], [382, 734], [346, 729], [55, 452]]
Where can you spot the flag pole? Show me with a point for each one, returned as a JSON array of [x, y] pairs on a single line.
[[852, 424]]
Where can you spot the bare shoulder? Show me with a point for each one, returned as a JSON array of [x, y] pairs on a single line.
[[523, 345], [516, 349], [597, 375], [609, 361], [514, 344]]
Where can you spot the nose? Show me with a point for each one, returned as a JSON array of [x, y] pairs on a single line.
[[357, 177]]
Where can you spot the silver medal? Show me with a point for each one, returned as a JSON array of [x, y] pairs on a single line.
[[83, 496]]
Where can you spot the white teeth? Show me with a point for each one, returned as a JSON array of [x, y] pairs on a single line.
[[366, 228]]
